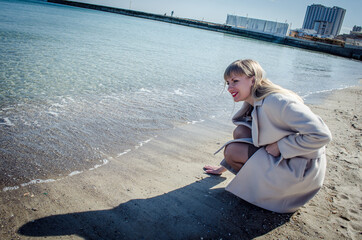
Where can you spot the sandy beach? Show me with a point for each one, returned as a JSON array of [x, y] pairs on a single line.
[[159, 191]]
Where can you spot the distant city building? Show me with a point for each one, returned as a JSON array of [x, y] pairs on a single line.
[[326, 21], [355, 36], [258, 25], [357, 29]]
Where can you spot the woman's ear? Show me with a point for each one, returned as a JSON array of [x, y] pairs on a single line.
[[253, 80]]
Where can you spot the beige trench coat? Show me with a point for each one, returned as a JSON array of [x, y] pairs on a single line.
[[281, 184]]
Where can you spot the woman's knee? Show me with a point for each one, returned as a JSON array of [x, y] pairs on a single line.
[[236, 152], [242, 132]]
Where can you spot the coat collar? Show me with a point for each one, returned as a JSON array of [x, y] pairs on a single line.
[[258, 103]]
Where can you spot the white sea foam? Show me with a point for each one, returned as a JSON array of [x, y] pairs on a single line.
[[57, 105], [26, 123], [36, 181], [125, 152], [322, 91], [53, 113], [10, 188], [70, 99], [74, 173], [145, 90], [180, 92], [36, 123], [112, 97], [194, 122], [7, 122], [95, 166], [140, 144], [104, 162]]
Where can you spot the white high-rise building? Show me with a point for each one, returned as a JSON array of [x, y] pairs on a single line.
[[325, 21]]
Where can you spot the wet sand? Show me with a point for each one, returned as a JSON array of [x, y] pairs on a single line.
[[159, 191]]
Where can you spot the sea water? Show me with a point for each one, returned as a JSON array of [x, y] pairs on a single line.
[[79, 87]]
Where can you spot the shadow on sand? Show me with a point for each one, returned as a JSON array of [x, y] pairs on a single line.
[[192, 212]]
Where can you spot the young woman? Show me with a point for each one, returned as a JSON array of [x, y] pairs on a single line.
[[278, 151]]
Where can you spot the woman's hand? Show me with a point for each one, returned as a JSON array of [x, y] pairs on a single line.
[[273, 149], [214, 170]]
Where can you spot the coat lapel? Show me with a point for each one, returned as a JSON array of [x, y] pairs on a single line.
[[255, 127]]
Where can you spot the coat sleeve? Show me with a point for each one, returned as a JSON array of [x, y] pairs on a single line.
[[310, 133]]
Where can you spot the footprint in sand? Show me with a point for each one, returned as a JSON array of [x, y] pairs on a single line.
[[343, 196]]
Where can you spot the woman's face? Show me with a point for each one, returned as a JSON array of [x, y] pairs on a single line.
[[239, 87]]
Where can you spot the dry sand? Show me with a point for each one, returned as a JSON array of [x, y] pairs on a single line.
[[159, 191]]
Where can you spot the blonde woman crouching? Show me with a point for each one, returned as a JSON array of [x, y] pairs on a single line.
[[278, 151]]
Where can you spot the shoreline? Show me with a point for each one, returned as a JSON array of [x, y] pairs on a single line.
[[160, 191], [318, 98], [310, 99]]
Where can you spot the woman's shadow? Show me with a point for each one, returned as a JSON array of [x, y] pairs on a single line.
[[192, 212]]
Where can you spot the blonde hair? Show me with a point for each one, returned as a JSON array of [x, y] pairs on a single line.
[[262, 86]]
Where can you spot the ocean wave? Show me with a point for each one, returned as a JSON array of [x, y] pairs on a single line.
[[195, 122]]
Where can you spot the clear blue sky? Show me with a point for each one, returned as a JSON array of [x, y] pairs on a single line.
[[290, 11]]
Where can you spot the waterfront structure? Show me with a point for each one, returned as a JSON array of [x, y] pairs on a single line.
[[299, 32], [259, 25], [326, 21]]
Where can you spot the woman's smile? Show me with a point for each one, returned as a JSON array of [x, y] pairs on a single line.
[[239, 86]]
